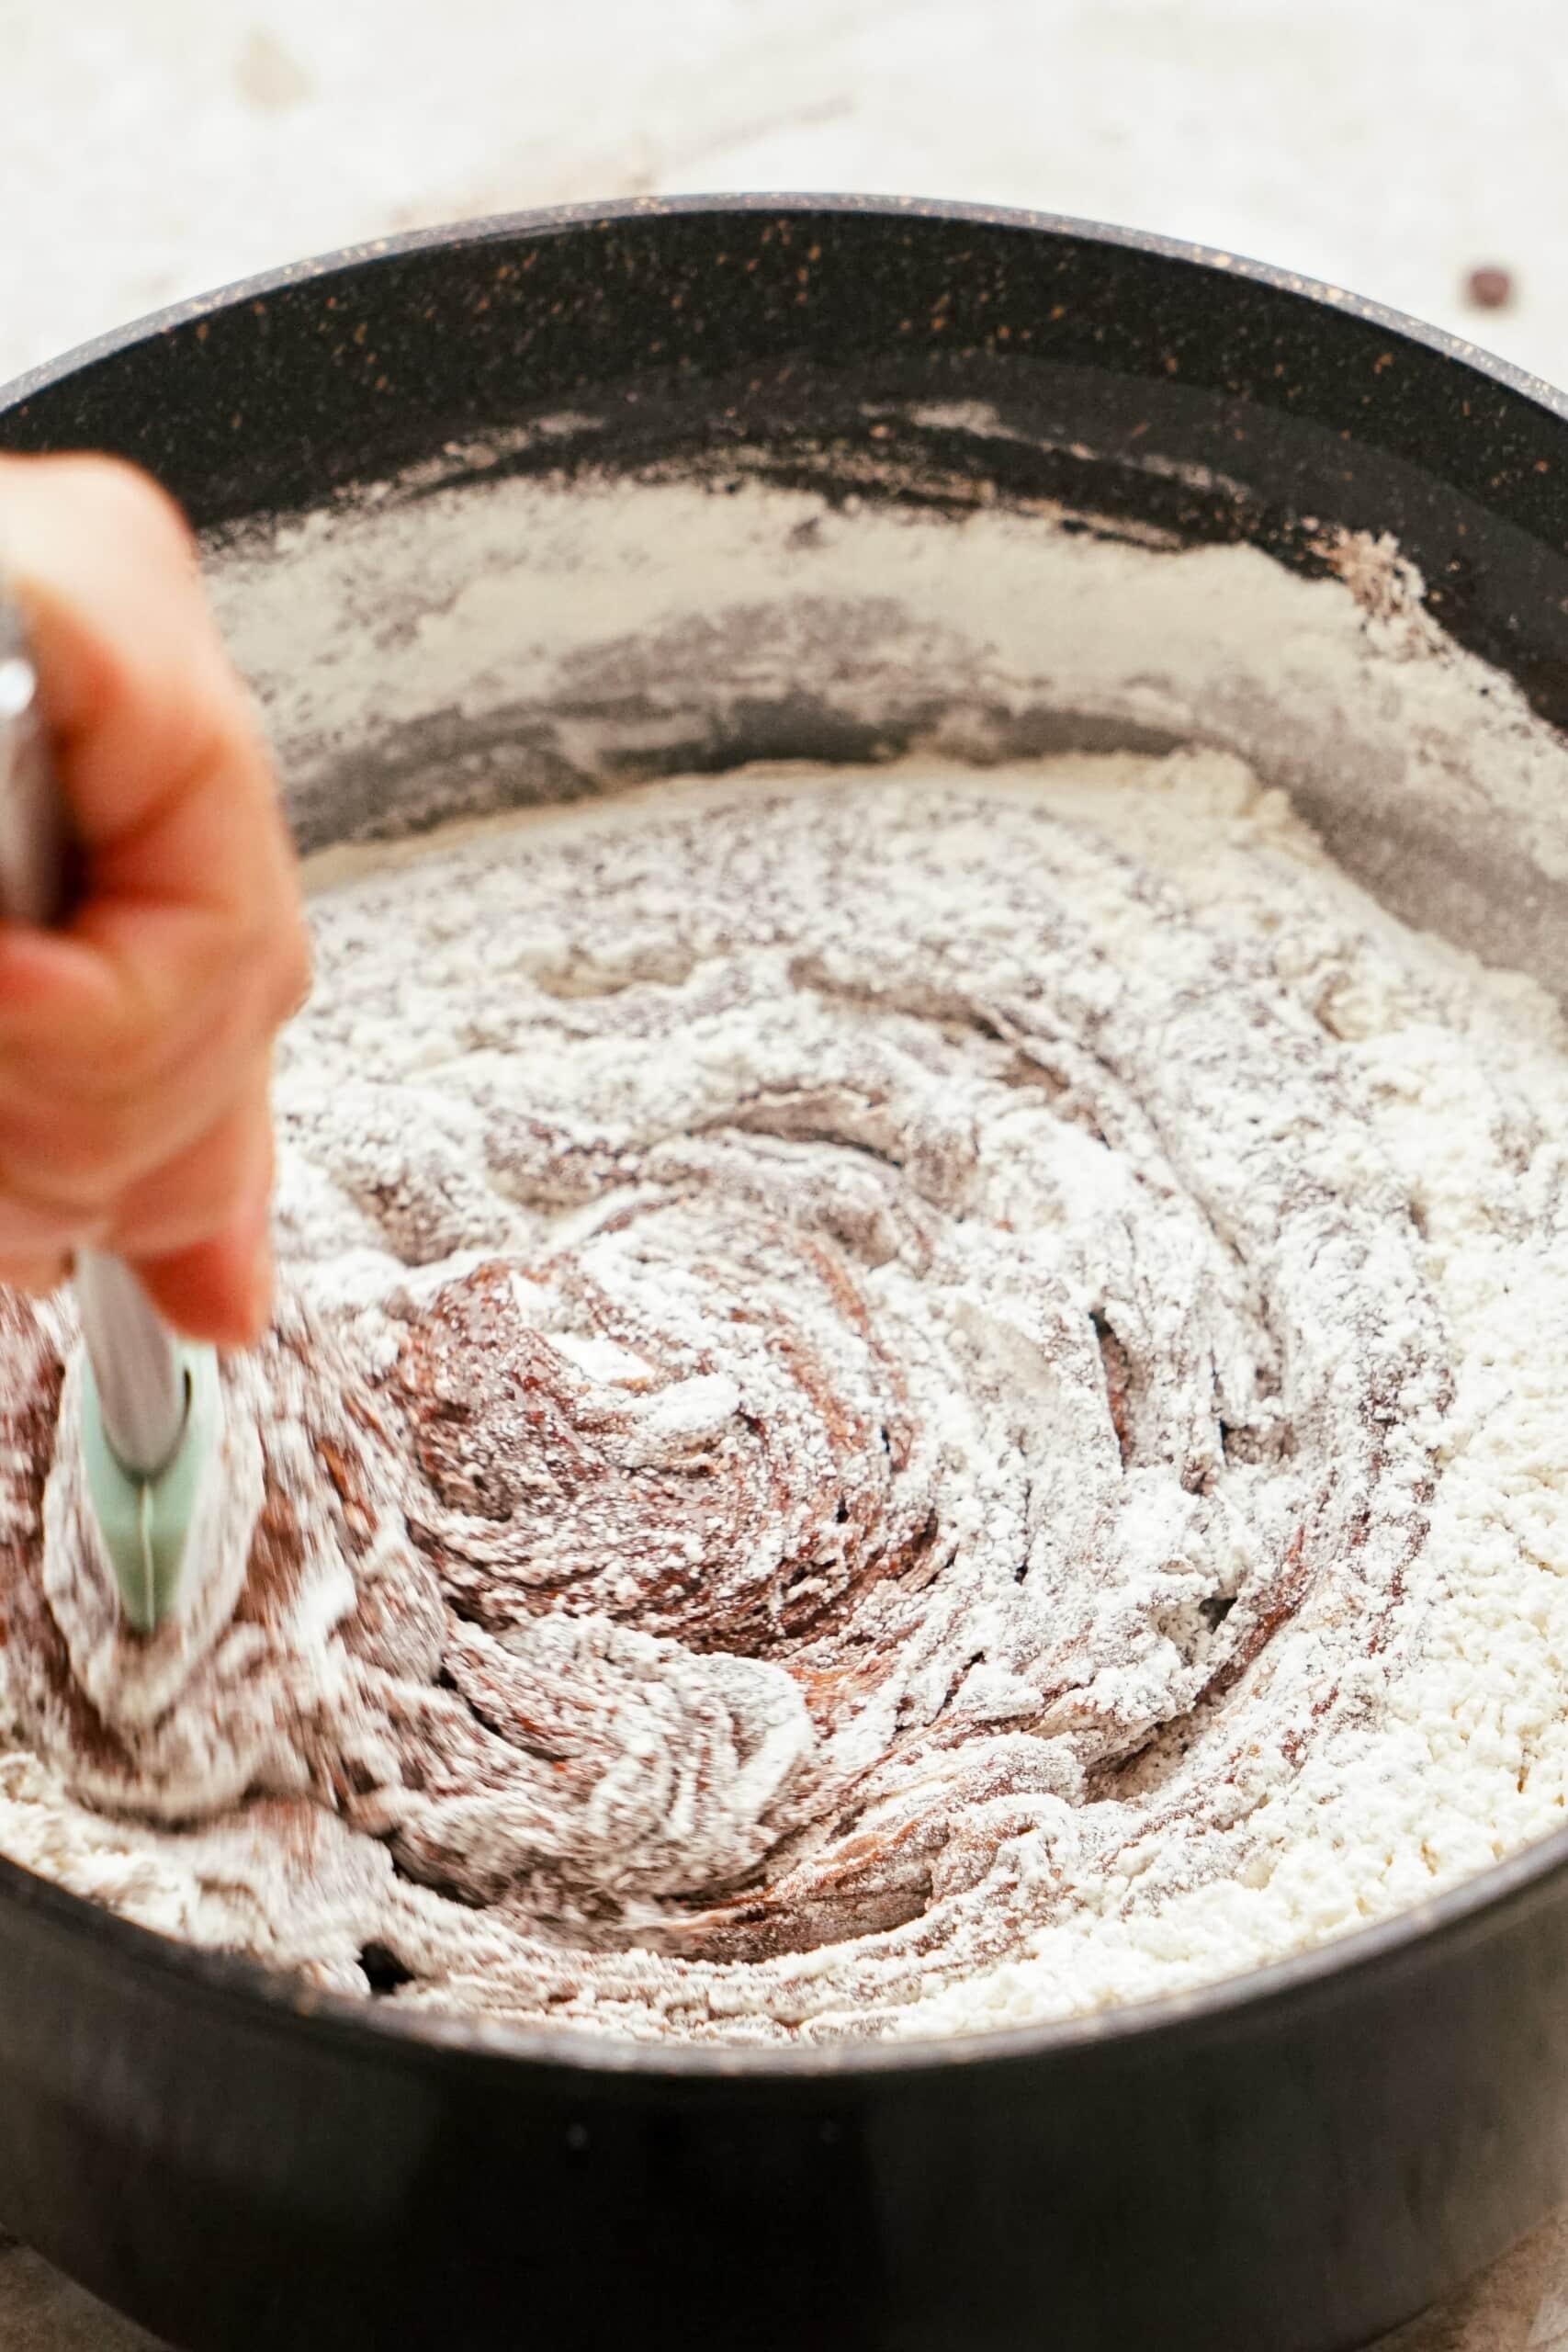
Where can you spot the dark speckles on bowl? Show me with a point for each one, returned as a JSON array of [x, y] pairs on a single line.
[[682, 324]]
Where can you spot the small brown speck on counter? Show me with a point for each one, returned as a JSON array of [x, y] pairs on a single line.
[[1489, 288]]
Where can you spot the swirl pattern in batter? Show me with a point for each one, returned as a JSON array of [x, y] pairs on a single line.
[[905, 1402]]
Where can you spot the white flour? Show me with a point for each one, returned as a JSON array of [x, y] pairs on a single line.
[[906, 1403]]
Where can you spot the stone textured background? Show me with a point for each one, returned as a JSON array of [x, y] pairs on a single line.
[[152, 150]]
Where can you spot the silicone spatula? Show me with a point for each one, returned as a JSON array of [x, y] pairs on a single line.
[[150, 1399]]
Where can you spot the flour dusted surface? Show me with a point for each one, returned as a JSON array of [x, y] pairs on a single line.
[[905, 1401]]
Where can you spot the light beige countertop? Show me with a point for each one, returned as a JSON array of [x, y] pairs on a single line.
[[154, 150]]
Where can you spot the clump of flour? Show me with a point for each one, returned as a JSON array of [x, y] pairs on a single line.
[[906, 1402]]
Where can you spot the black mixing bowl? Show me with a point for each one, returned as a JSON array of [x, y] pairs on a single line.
[[1297, 2160]]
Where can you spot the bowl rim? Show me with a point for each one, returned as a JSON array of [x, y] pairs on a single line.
[[367, 2027], [561, 220]]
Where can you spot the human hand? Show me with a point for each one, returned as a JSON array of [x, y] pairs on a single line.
[[135, 1042]]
